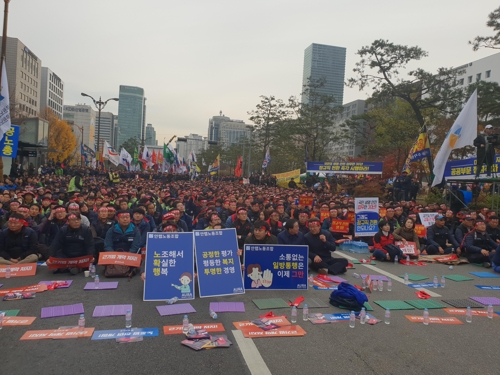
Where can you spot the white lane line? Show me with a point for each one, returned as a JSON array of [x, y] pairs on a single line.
[[388, 274], [254, 360]]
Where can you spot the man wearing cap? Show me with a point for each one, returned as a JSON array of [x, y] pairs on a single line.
[[261, 234], [140, 222], [438, 238], [254, 213], [177, 220], [391, 220], [479, 247], [18, 242], [74, 208], [123, 236], [485, 144], [493, 229], [465, 227], [55, 221], [291, 235], [321, 245]]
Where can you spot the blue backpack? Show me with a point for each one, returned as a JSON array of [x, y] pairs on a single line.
[[348, 297]]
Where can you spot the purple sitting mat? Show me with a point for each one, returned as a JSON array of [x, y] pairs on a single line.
[[52, 312], [182, 308], [47, 282], [227, 306], [108, 285], [111, 310], [376, 277], [487, 300]]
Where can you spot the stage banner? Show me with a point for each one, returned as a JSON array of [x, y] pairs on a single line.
[[218, 263], [466, 168], [269, 267], [366, 220], [169, 266], [365, 167]]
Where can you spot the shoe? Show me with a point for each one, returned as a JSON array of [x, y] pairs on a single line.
[[323, 271], [486, 264], [75, 271]]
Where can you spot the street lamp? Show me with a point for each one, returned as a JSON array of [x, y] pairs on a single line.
[[100, 106], [81, 142]]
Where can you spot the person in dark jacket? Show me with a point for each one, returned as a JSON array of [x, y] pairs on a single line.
[[123, 236], [479, 247], [243, 226], [485, 145], [495, 260], [99, 229], [493, 229], [291, 235], [303, 222], [321, 245], [261, 234], [275, 225], [438, 235], [141, 223], [54, 223], [465, 227], [18, 242]]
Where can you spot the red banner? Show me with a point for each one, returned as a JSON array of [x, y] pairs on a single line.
[[474, 312], [288, 331], [18, 270], [382, 211], [324, 214], [18, 320], [37, 288], [278, 320], [58, 334], [420, 230], [306, 201], [433, 319], [120, 258], [340, 226], [408, 248], [81, 262], [351, 217], [209, 327]]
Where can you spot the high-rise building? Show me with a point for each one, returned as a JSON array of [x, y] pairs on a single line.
[[143, 129], [51, 92], [150, 138], [131, 108], [192, 142], [80, 117], [226, 131], [24, 74], [214, 125], [107, 128], [348, 147], [325, 62]]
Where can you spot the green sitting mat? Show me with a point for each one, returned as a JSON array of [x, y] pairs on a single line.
[[458, 278], [10, 312], [368, 307], [355, 261], [313, 303], [394, 305], [270, 303], [425, 303], [414, 277]]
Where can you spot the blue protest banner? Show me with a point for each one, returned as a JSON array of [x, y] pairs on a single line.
[[366, 219], [119, 333], [218, 263], [365, 167], [423, 285], [466, 168], [169, 266], [272, 267], [487, 287], [9, 142]]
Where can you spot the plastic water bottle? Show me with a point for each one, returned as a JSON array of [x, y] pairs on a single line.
[[374, 285], [171, 301], [396, 260], [490, 311], [426, 317], [468, 315], [7, 272], [380, 286], [92, 271], [364, 282], [310, 280], [128, 319], [294, 314], [352, 320], [407, 260], [387, 316], [406, 278], [356, 275], [81, 324], [362, 316], [185, 324], [305, 313], [389, 284], [213, 314], [443, 281], [96, 282], [435, 282]]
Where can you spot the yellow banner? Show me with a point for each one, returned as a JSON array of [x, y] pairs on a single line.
[[287, 176]]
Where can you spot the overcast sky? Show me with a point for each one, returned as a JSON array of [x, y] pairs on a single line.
[[197, 57]]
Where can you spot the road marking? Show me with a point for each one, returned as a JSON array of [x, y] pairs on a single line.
[[251, 354], [388, 274]]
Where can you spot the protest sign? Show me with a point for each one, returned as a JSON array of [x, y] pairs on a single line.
[[19, 270], [288, 331], [433, 319], [37, 288], [382, 211], [18, 320], [169, 266], [464, 311], [324, 214], [80, 262], [287, 176], [305, 200], [209, 327], [420, 230], [408, 248], [280, 321], [9, 142], [427, 218], [340, 226], [218, 263], [120, 258], [272, 267], [351, 217], [120, 333], [73, 333], [366, 220], [365, 167]]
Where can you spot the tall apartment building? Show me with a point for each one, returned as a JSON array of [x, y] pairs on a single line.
[[131, 113], [325, 62], [214, 126], [223, 130], [107, 128], [150, 138], [80, 117], [347, 147], [51, 92], [24, 74], [192, 142]]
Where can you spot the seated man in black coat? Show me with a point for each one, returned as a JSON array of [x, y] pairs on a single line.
[[18, 242]]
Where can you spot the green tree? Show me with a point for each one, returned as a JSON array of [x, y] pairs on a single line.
[[130, 144], [209, 156], [489, 41]]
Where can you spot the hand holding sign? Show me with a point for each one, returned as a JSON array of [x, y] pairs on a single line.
[[267, 279]]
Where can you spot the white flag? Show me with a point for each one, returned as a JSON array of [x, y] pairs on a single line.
[[110, 153], [4, 103], [125, 158], [462, 133]]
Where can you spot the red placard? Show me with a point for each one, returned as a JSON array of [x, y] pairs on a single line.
[[278, 320], [408, 248], [420, 230], [351, 217], [58, 334], [340, 226], [120, 258], [474, 312], [18, 270], [288, 331], [305, 201], [18, 320], [324, 214], [382, 211], [209, 327], [37, 288], [80, 262], [433, 319]]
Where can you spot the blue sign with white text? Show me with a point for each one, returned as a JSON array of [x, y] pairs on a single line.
[[487, 287], [365, 167], [218, 263], [169, 266], [119, 333], [9, 142], [273, 267]]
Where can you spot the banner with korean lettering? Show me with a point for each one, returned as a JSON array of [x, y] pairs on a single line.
[[466, 168], [269, 267], [366, 223], [9, 142], [365, 167], [218, 263], [427, 218], [169, 266]]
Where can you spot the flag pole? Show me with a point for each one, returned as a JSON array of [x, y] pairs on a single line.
[[2, 61]]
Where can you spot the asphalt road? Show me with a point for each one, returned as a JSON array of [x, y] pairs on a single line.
[[399, 348]]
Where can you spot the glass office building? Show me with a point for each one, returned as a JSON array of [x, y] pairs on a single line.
[[130, 113]]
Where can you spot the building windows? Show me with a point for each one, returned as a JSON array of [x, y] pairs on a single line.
[[461, 82], [478, 76], [469, 79], [488, 73]]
